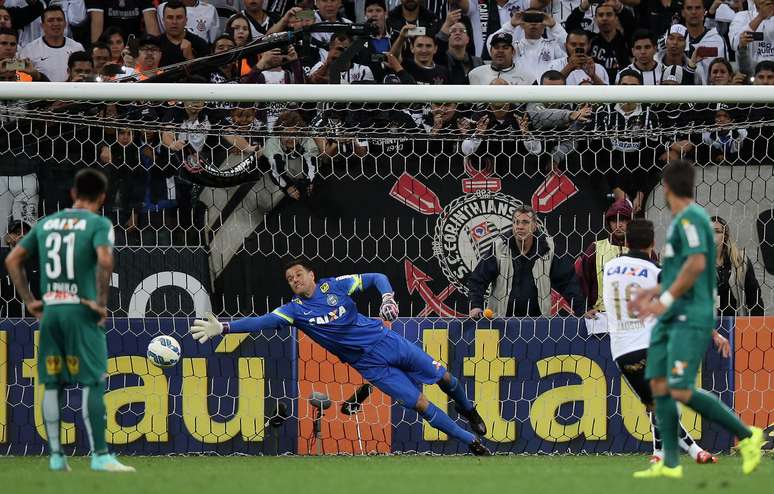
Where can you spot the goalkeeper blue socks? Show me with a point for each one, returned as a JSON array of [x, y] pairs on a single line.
[[438, 419], [668, 420], [457, 392]]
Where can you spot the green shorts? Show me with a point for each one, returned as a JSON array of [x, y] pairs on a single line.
[[72, 347], [676, 352]]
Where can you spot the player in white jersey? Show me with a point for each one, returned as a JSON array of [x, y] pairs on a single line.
[[622, 278]]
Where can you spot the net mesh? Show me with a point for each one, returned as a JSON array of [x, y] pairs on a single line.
[[208, 199]]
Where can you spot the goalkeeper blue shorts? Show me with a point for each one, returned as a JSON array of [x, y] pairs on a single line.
[[397, 367]]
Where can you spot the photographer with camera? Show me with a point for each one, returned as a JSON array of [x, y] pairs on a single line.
[[578, 67], [753, 30], [355, 72]]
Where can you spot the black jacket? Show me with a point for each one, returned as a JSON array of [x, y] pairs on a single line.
[[523, 299], [613, 55]]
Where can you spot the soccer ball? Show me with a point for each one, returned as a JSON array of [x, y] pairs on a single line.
[[164, 351]]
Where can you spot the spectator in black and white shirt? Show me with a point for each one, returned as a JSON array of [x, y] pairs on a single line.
[[503, 66], [699, 35], [128, 15], [674, 55], [74, 12], [201, 19], [177, 43], [760, 20], [538, 38], [632, 162], [577, 66], [422, 67], [458, 59], [260, 20], [609, 46], [50, 52], [644, 45], [355, 72]]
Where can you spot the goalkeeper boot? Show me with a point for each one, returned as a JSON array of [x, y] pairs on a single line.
[[478, 449], [703, 458], [477, 424], [750, 449], [660, 470], [108, 463], [57, 462]]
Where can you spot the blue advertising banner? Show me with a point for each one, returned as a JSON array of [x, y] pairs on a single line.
[[217, 399], [541, 385], [545, 386]]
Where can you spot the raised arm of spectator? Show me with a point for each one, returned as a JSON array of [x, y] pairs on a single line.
[[625, 18], [555, 29], [283, 24], [22, 16], [397, 46], [743, 55]]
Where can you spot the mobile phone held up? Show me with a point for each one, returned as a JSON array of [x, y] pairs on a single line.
[[707, 51], [416, 31]]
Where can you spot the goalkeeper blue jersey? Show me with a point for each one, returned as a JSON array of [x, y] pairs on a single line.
[[329, 316]]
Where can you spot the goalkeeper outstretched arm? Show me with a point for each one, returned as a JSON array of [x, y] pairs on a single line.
[[205, 329]]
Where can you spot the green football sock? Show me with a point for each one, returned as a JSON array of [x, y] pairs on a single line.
[[668, 424], [710, 407], [94, 417]]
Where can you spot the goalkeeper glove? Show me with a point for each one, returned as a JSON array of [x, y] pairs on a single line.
[[389, 309], [204, 330]]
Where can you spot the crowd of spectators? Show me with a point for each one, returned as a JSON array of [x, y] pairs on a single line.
[[514, 42]]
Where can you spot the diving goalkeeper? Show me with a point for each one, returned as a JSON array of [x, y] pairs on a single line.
[[325, 311]]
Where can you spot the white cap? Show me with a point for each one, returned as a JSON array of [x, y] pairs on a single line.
[[678, 29]]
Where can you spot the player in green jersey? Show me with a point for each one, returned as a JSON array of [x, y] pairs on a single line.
[[74, 247], [685, 305]]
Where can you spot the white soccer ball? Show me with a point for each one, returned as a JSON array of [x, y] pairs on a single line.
[[164, 351]]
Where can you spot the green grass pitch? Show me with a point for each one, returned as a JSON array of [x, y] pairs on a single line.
[[385, 474]]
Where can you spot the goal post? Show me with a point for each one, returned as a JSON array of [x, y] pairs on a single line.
[[213, 187], [363, 93]]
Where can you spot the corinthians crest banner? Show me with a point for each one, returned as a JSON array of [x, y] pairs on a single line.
[[426, 234]]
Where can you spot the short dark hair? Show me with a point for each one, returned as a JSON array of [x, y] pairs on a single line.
[[78, 56], [579, 32], [640, 234], [764, 65], [552, 75], [644, 34], [173, 4], [90, 184], [99, 45], [630, 73], [299, 261], [679, 176], [722, 61], [51, 8], [427, 35], [110, 31], [225, 36], [9, 32]]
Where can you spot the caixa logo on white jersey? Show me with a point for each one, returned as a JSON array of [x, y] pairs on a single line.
[[466, 229]]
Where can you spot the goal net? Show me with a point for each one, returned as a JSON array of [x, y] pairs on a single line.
[[212, 188]]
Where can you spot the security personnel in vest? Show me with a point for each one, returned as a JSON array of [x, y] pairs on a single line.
[[522, 268], [588, 266]]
